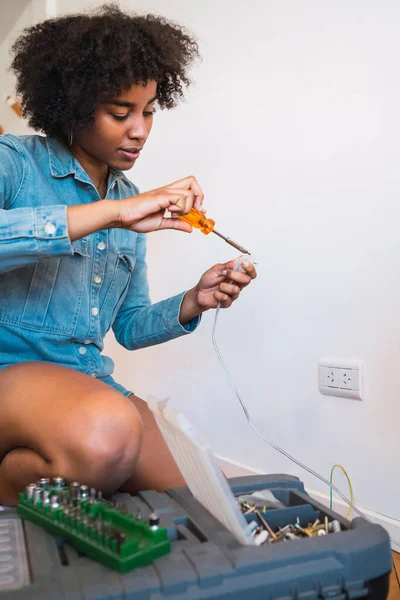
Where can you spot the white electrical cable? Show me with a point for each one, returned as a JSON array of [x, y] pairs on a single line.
[[286, 454]]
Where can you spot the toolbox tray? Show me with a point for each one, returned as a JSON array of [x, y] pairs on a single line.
[[206, 561]]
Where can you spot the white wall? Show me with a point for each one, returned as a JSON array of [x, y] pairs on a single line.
[[292, 129]]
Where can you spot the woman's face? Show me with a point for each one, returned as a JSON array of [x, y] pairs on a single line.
[[121, 127]]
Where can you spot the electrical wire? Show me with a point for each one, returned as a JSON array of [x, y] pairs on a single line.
[[274, 446], [350, 487]]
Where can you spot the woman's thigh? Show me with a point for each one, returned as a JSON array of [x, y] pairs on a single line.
[[76, 424], [63, 422]]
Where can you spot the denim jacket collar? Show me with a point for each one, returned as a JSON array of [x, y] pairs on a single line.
[[63, 163]]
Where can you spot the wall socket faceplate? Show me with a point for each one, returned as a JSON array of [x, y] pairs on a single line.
[[341, 377]]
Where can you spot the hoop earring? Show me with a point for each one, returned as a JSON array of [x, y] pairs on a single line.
[[71, 138]]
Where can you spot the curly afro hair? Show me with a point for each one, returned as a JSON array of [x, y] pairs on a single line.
[[66, 66]]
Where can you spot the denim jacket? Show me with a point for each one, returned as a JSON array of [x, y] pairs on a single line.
[[58, 299]]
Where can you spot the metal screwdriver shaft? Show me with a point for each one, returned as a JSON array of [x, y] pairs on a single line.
[[199, 221], [231, 242]]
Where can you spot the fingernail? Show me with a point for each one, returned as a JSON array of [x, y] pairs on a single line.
[[246, 263], [225, 272]]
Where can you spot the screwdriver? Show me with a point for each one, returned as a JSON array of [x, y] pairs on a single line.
[[198, 220]]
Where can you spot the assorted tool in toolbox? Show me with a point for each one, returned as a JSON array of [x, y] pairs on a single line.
[[258, 507]]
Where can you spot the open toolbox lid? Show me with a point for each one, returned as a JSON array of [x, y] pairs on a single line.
[[200, 469]]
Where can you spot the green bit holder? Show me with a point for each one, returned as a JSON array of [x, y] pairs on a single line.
[[141, 545]]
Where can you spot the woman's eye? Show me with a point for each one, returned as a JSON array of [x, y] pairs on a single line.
[[148, 113], [120, 117]]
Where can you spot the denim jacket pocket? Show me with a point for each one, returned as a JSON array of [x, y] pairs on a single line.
[[124, 265], [55, 293]]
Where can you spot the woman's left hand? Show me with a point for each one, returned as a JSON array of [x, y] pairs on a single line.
[[220, 284]]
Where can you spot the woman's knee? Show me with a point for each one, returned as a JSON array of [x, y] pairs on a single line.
[[105, 439]]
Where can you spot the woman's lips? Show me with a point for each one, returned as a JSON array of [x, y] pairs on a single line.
[[131, 154]]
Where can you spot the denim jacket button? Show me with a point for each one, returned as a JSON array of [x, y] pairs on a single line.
[[95, 311], [97, 278], [82, 350], [101, 246], [50, 228]]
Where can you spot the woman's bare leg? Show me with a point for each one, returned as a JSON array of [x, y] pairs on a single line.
[[155, 469], [58, 421]]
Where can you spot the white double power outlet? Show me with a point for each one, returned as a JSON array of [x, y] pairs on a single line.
[[341, 377]]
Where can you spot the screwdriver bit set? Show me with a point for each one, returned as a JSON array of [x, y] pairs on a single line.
[[103, 530]]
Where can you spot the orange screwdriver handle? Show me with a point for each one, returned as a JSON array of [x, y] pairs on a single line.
[[199, 221]]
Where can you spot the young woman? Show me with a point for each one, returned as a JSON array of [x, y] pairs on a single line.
[[72, 251]]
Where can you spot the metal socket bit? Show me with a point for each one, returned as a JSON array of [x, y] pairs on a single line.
[[99, 525], [46, 497], [105, 528], [113, 536], [37, 495], [139, 515], [29, 490], [44, 483], [74, 491], [84, 521], [92, 493], [54, 502], [58, 482], [154, 521], [121, 540], [100, 496], [84, 490]]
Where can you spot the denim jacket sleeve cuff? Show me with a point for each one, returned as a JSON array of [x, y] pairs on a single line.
[[52, 230], [171, 317]]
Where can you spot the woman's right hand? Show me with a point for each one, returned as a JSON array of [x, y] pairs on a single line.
[[142, 213], [145, 212]]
